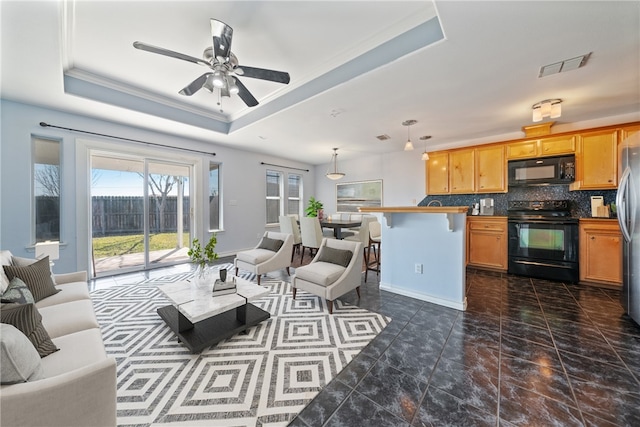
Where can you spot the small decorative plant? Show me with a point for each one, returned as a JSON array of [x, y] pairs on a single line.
[[204, 256], [314, 207]]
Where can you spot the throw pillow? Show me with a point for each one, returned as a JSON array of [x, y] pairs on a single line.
[[37, 276], [335, 256], [270, 244], [23, 262], [28, 320], [17, 292], [19, 360]]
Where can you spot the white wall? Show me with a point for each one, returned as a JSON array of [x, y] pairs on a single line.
[[242, 180], [402, 175]]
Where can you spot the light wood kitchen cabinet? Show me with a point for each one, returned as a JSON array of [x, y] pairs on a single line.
[[541, 147], [437, 173], [597, 161], [491, 170], [600, 251], [626, 132], [462, 171], [487, 242]]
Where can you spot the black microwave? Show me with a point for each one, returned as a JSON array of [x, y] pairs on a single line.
[[542, 171]]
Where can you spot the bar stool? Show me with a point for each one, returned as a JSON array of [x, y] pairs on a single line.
[[375, 234]]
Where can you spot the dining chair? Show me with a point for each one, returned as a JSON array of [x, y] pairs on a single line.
[[289, 225], [311, 234], [362, 236]]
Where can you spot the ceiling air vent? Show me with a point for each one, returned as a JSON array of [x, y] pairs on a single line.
[[562, 66], [383, 137]]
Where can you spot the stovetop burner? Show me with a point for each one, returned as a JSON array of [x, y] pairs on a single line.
[[539, 209]]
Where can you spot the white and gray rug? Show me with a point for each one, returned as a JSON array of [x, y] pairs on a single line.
[[262, 378]]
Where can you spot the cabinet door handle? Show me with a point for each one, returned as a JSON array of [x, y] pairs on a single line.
[[593, 237]]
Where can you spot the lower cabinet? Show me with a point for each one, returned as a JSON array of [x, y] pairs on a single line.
[[600, 251], [487, 242]]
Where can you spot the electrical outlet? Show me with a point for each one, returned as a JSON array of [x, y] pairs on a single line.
[[418, 269]]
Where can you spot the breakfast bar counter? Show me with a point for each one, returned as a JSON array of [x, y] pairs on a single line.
[[424, 252]]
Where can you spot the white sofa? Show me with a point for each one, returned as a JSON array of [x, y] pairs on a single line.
[[78, 387]]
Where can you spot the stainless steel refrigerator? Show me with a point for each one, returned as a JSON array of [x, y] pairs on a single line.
[[628, 208]]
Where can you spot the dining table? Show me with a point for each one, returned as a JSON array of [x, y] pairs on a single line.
[[338, 224]]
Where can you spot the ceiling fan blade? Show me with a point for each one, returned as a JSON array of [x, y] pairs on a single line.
[[222, 34], [167, 52], [245, 95], [195, 85], [261, 73]]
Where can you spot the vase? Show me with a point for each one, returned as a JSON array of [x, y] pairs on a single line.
[[223, 274], [320, 214], [202, 275]]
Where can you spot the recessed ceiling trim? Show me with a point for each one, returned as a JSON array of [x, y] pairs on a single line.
[[85, 89], [415, 39]]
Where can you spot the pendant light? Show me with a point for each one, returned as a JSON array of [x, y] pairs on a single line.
[[408, 123], [335, 175], [425, 155]]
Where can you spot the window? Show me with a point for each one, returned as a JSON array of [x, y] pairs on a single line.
[[46, 189], [214, 196], [274, 198], [294, 201]]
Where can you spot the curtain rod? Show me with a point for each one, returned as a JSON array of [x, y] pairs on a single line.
[[282, 166], [46, 125]]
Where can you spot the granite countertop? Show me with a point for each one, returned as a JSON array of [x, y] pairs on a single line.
[[417, 209]]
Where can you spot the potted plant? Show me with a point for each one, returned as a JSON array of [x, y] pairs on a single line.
[[203, 256], [315, 207]]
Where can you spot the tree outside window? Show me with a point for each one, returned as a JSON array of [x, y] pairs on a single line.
[[46, 181]]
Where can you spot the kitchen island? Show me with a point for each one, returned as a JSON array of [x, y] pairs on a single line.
[[424, 252]]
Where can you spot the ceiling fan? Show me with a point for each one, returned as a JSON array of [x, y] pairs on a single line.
[[223, 64]]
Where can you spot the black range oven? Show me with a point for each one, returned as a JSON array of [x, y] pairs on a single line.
[[543, 240]]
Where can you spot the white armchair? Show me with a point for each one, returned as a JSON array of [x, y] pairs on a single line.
[[329, 275], [266, 256]]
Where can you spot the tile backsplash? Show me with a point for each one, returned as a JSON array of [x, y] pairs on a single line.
[[580, 200]]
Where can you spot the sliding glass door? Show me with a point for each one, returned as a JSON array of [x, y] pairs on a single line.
[[139, 213]]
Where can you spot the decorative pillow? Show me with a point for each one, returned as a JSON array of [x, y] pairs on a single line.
[[19, 360], [17, 292], [270, 244], [37, 277], [28, 320], [335, 256], [23, 262], [5, 259]]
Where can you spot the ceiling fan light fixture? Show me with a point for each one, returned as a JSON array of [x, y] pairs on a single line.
[[217, 79], [334, 175], [231, 84]]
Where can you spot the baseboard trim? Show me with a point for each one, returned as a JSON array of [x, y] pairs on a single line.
[[462, 306]]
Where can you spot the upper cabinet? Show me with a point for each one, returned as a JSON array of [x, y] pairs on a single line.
[[461, 171], [546, 146], [437, 173], [483, 169], [597, 161], [490, 169], [467, 171]]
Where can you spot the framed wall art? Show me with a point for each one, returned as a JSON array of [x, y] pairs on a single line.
[[352, 195]]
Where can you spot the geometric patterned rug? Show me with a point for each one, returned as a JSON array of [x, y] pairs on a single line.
[[262, 378]]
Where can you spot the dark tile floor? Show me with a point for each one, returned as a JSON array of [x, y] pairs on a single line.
[[526, 352]]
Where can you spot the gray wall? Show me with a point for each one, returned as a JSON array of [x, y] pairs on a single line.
[[243, 221]]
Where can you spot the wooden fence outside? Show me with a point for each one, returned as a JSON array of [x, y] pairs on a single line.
[[118, 215]]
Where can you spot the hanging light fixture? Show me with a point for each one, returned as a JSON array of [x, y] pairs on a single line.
[[551, 108], [425, 155], [408, 123], [335, 174]]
